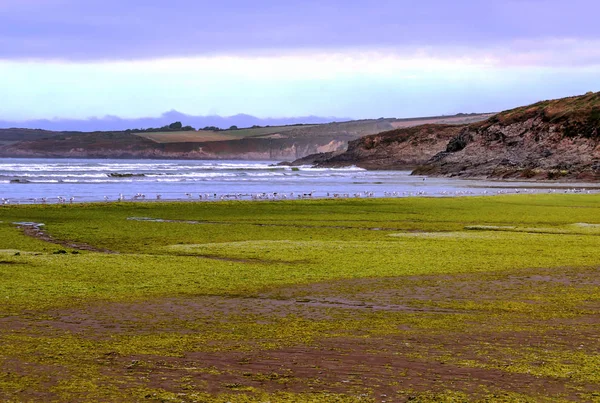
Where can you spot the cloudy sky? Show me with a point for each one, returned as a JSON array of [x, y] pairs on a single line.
[[77, 59]]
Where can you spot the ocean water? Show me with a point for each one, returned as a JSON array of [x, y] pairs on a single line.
[[88, 180]]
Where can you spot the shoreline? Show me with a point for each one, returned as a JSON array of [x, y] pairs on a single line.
[[53, 181], [275, 197]]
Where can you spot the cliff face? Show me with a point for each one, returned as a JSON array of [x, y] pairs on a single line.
[[557, 139], [397, 149]]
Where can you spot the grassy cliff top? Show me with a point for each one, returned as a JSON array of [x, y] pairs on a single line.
[[582, 110]]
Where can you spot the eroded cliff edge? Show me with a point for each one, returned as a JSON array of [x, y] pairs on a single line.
[[396, 149], [557, 139]]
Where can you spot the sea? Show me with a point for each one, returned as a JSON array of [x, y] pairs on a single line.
[[27, 181]]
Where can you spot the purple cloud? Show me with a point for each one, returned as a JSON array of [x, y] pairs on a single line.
[[116, 29]]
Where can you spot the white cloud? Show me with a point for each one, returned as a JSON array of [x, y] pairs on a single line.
[[559, 53], [351, 82]]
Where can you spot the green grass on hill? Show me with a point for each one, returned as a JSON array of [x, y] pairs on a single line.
[[579, 111]]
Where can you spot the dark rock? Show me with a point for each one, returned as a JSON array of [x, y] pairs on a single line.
[[404, 148], [314, 159], [545, 140], [459, 142]]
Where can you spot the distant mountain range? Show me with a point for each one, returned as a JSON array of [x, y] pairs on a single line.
[[115, 123]]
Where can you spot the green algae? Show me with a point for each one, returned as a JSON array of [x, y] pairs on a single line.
[[402, 276]]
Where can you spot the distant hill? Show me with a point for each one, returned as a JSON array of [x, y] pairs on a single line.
[[555, 139], [10, 136], [261, 143]]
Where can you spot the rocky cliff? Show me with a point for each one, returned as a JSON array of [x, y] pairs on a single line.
[[396, 149], [558, 139]]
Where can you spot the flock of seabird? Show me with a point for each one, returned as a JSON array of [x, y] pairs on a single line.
[[306, 195]]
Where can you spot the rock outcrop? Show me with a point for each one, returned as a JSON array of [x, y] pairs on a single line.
[[396, 149], [557, 139]]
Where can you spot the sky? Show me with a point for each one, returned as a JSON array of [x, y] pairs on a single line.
[[72, 59]]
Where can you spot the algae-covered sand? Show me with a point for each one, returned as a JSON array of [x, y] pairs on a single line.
[[465, 299]]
